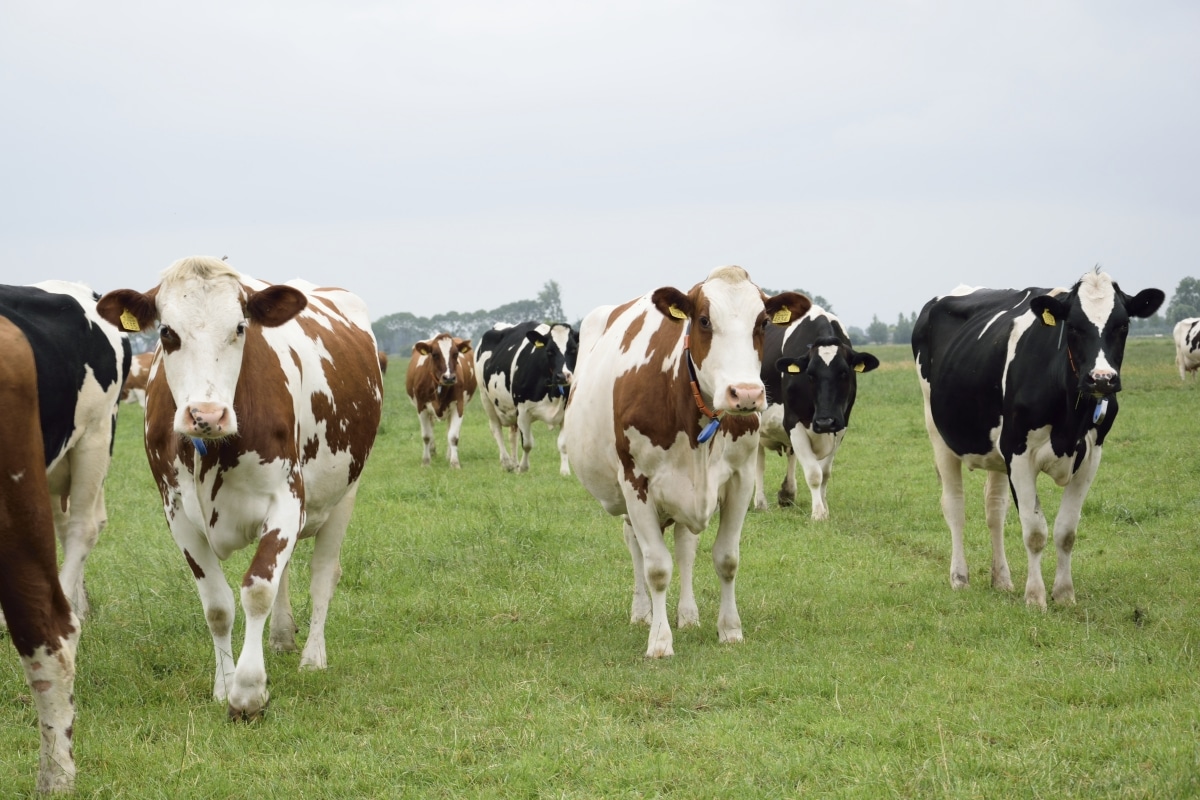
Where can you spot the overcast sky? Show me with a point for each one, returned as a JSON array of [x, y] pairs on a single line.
[[448, 155]]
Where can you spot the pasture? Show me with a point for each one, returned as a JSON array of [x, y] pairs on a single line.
[[479, 643]]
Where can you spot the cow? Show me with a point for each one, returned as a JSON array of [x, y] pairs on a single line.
[[1187, 346], [134, 390], [662, 428], [261, 410], [525, 375], [810, 370], [41, 623], [383, 361], [1021, 382], [441, 382], [82, 362]]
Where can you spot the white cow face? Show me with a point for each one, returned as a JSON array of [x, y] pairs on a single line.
[[205, 312]]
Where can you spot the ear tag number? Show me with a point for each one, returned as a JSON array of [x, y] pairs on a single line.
[[782, 316], [709, 430], [129, 322], [676, 313], [1048, 318]]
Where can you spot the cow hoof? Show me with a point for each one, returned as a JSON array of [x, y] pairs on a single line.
[[1064, 597], [958, 581], [786, 500], [246, 715], [821, 515]]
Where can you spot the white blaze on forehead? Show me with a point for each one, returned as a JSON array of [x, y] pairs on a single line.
[[445, 345], [560, 334], [1097, 297], [827, 353]]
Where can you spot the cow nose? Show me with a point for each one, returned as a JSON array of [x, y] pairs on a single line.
[[209, 419], [1104, 381], [825, 425], [449, 379], [746, 397]]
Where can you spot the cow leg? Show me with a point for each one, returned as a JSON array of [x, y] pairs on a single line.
[[787, 490], [77, 487], [814, 471], [426, 419], [456, 422], [564, 465], [1033, 526], [283, 622], [639, 612], [215, 596], [995, 503], [326, 572], [687, 615], [1067, 522], [760, 473], [656, 569], [949, 469], [726, 553], [525, 424]]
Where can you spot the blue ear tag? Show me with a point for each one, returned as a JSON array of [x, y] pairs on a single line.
[[709, 430], [199, 445], [1101, 410]]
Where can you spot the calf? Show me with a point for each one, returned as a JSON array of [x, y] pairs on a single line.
[[525, 373], [1187, 346], [810, 370], [40, 620], [82, 362], [441, 382], [1020, 382], [662, 428], [134, 390], [260, 416]]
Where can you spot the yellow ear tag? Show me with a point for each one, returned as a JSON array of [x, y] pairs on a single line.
[[1048, 318], [539, 344], [676, 313], [793, 368], [859, 367], [129, 322], [782, 316]]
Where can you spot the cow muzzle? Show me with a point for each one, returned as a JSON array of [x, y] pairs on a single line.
[[745, 398], [826, 425], [208, 420], [1102, 383]]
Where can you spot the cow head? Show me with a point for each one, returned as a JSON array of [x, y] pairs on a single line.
[[726, 316], [1092, 322], [559, 344], [443, 352], [830, 367], [205, 312]]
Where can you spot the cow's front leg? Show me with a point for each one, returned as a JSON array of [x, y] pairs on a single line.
[[787, 490], [814, 471], [760, 474], [726, 554], [215, 596], [1067, 522], [639, 611], [525, 424], [1034, 530], [687, 615], [426, 419], [248, 695], [456, 421], [656, 570], [995, 502]]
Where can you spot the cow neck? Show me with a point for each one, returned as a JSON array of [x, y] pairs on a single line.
[[714, 417]]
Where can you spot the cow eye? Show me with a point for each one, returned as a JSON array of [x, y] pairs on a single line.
[[168, 335], [241, 328], [705, 323]]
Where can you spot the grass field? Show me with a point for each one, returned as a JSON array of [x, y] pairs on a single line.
[[479, 643]]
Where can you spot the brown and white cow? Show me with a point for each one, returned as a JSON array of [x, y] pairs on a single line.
[[662, 428], [441, 382], [134, 390], [261, 410], [1187, 346], [383, 362], [40, 621]]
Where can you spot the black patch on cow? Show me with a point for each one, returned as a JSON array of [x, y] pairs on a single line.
[[538, 370], [65, 345]]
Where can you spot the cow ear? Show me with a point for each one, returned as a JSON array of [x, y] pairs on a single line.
[[275, 305], [672, 303], [786, 306], [421, 349], [1144, 303], [863, 362], [463, 345], [128, 309], [792, 366], [1049, 309], [536, 339]]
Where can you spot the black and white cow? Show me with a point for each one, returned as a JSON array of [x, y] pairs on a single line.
[[82, 363], [1187, 346], [524, 374], [1021, 382], [810, 370]]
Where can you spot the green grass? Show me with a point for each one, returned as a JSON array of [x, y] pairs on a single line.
[[479, 643]]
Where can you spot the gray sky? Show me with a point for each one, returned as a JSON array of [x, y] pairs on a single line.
[[453, 155]]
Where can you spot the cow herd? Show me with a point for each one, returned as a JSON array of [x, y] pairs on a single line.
[[263, 402]]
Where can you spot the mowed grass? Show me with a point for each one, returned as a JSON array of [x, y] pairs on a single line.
[[479, 643]]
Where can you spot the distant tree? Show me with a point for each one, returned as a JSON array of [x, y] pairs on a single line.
[[817, 299], [877, 331], [902, 331], [857, 335], [1185, 302]]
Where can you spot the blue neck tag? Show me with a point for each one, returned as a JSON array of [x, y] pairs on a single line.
[[1100, 412], [199, 445], [709, 430]]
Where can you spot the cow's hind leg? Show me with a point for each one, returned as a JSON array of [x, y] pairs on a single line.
[[787, 490], [996, 493], [687, 615], [949, 469], [639, 611], [283, 622], [79, 515], [326, 571]]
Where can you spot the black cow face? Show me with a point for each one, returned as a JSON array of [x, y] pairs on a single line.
[[826, 374]]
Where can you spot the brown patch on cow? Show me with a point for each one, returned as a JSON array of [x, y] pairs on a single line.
[[197, 572], [616, 313], [423, 382], [266, 557], [311, 447], [212, 520], [635, 327]]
